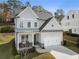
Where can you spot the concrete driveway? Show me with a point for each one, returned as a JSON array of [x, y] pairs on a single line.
[[60, 52]]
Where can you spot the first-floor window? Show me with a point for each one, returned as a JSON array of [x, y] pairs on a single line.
[[22, 37]]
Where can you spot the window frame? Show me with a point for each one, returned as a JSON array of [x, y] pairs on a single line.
[[29, 24], [21, 24], [35, 24]]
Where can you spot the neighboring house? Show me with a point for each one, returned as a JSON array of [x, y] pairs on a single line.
[[70, 22], [31, 30], [1, 10]]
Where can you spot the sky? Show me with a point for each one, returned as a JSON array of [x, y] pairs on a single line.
[[53, 5]]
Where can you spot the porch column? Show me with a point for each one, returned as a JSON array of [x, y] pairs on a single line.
[[32, 39], [17, 41]]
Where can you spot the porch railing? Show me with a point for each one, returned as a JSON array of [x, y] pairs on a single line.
[[27, 44]]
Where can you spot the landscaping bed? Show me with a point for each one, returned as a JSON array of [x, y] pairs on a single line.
[[31, 55], [45, 56]]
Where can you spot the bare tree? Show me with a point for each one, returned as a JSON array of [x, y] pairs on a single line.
[[59, 15]]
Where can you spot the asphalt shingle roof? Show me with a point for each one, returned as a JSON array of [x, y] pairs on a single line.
[[42, 13]]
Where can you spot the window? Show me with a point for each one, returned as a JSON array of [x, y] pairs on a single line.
[[35, 24], [26, 36], [22, 37], [21, 24], [67, 17], [29, 24], [72, 15]]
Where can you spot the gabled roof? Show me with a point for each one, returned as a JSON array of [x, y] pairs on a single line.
[[52, 25], [38, 13], [43, 15], [28, 12]]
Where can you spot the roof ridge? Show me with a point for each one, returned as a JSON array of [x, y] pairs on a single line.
[[45, 23]]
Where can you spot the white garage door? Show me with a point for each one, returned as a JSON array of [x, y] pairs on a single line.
[[52, 39]]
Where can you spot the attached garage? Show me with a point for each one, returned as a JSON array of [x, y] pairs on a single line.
[[51, 38]]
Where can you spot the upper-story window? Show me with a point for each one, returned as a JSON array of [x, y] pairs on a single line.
[[67, 17], [21, 24], [72, 15], [29, 24], [35, 24]]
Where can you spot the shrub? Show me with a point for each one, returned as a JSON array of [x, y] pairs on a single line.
[[7, 29]]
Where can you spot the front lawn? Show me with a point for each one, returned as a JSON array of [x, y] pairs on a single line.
[[7, 50], [45, 56], [6, 37]]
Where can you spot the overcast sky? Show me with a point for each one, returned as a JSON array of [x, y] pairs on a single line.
[[52, 5]]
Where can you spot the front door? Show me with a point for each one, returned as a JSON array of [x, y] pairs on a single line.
[[35, 42]]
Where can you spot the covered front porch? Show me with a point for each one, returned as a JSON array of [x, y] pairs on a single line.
[[29, 40]]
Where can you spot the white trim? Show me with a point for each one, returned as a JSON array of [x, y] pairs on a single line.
[[30, 10]]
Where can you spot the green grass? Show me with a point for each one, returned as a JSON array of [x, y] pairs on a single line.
[[45, 56], [6, 38], [6, 51]]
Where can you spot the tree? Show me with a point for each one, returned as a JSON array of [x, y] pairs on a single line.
[[59, 15], [13, 6], [28, 4], [14, 3], [3, 14]]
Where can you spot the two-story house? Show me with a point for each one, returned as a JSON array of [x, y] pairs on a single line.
[[36, 28], [71, 22]]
